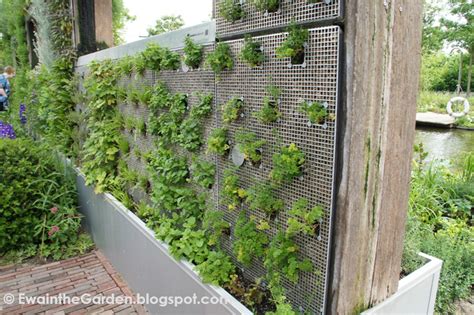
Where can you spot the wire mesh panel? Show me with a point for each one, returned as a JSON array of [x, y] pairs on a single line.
[[301, 11], [316, 80]]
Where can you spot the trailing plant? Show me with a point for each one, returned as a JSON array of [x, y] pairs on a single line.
[[203, 172], [282, 257], [190, 134], [232, 194], [252, 53], [100, 152], [266, 5], [249, 243], [303, 219], [217, 142], [269, 112], [315, 111], [220, 59], [168, 167], [262, 197], [287, 164], [191, 243], [232, 109], [192, 53], [217, 269], [294, 45], [231, 10], [249, 145]]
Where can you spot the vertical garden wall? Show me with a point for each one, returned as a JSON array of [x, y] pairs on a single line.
[[231, 149]]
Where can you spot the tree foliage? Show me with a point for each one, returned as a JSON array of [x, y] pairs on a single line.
[[166, 24], [120, 16]]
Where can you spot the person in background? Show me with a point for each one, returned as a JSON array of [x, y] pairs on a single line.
[[5, 89]]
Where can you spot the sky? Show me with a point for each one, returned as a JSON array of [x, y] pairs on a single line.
[[148, 11]]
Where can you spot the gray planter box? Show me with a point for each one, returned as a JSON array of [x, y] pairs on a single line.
[[416, 292], [145, 262]]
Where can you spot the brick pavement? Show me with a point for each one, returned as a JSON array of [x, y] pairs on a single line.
[[88, 274]]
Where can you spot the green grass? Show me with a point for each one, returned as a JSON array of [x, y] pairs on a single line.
[[440, 224]]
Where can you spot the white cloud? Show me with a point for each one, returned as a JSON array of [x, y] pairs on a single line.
[[148, 11]]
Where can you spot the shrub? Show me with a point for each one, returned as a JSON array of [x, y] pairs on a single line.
[[37, 201]]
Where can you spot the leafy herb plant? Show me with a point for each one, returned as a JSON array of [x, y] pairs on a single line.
[[252, 53], [231, 10], [204, 107], [203, 173], [262, 197], [217, 142], [282, 256], [287, 164], [217, 269], [249, 145], [315, 111], [192, 53], [232, 194], [269, 112], [232, 109], [249, 242], [303, 219], [220, 59], [294, 45]]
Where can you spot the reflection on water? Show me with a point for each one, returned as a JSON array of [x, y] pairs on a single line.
[[442, 144]]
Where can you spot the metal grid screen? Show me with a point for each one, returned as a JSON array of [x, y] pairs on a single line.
[[317, 81], [301, 11]]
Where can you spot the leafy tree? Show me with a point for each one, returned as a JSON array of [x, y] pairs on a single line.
[[120, 16], [460, 30], [433, 35], [166, 24]]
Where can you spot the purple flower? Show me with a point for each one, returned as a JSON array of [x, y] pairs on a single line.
[[7, 131], [22, 114]]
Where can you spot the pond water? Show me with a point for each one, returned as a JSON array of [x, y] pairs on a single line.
[[445, 144]]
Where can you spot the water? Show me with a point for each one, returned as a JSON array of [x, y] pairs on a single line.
[[445, 144]]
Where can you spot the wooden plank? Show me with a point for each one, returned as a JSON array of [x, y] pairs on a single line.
[[382, 61]]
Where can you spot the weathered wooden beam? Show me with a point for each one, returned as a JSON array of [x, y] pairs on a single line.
[[382, 61]]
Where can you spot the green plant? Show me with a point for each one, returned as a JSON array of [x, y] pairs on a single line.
[[125, 66], [232, 194], [191, 243], [152, 57], [282, 256], [220, 59], [303, 219], [252, 53], [140, 126], [123, 145], [315, 111], [203, 172], [249, 145], [262, 197], [190, 134], [287, 164], [232, 109], [266, 5], [269, 112], [231, 10], [294, 45], [192, 53], [168, 167], [217, 269], [204, 107], [249, 242], [215, 225], [160, 97], [217, 141], [170, 60], [38, 202]]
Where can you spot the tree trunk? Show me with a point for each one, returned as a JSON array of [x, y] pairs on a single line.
[[469, 74], [382, 62]]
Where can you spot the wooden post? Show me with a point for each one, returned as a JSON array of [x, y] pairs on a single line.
[[382, 61]]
